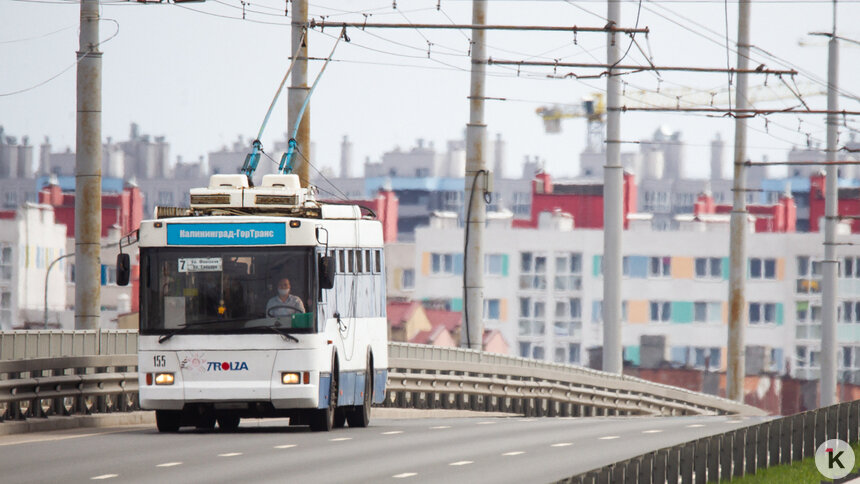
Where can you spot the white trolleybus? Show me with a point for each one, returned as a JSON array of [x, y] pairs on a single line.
[[261, 302]]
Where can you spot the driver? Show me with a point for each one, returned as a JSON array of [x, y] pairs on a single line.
[[284, 304]]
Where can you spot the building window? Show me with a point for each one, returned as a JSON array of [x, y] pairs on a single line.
[[709, 268], [560, 354], [407, 279], [5, 309], [532, 320], [573, 353], [568, 318], [850, 268], [711, 356], [5, 262], [762, 268], [532, 271], [850, 312], [568, 272], [447, 263], [762, 313], [496, 264], [492, 309], [660, 267], [808, 275], [661, 311], [707, 312]]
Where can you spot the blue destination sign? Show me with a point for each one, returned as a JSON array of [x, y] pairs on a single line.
[[264, 233]]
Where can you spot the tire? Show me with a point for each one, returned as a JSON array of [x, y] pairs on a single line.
[[323, 420], [359, 416], [228, 423], [167, 420], [206, 422], [340, 416]]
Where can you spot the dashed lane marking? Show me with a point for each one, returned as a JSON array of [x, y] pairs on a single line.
[[104, 476], [562, 444], [461, 463], [285, 446], [230, 454], [487, 423], [404, 475], [652, 431], [516, 452], [169, 464], [693, 426], [439, 427], [392, 432], [340, 439], [610, 437]]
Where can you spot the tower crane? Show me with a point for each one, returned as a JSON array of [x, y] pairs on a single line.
[[593, 107]]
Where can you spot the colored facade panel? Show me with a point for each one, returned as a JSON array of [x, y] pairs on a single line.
[[595, 265], [779, 314], [505, 265], [682, 267], [503, 309], [458, 263], [425, 263], [682, 312], [780, 269], [638, 266], [457, 304], [637, 312], [725, 265], [631, 354], [725, 312]]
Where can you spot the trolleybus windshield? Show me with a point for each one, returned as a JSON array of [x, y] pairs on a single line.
[[225, 290]]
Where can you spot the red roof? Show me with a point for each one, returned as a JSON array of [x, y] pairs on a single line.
[[450, 319], [399, 312], [427, 337]]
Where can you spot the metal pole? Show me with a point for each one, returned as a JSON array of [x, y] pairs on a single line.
[[47, 274], [88, 175], [298, 90], [830, 264], [613, 177], [738, 224], [476, 177]]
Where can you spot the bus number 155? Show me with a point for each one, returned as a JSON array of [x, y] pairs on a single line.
[[159, 361]]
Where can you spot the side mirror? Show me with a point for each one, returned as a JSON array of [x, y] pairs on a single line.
[[326, 272], [123, 269]]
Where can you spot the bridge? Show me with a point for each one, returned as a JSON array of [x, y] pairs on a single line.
[[449, 413]]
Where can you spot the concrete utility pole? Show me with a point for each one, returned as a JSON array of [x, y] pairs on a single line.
[[476, 180], [830, 266], [613, 181], [88, 175], [298, 90], [738, 224]]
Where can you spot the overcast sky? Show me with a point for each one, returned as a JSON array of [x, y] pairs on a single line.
[[200, 75]]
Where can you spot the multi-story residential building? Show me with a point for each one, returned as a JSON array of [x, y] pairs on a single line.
[[30, 240]]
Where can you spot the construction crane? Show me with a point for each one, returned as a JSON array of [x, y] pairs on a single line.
[[593, 107]]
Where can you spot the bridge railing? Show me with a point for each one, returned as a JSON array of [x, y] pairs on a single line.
[[735, 453], [424, 376], [45, 373]]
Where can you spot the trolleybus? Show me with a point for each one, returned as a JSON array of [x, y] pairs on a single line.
[[261, 302]]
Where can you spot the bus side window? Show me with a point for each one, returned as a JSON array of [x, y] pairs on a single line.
[[341, 266], [350, 256], [378, 260], [368, 266], [358, 261]]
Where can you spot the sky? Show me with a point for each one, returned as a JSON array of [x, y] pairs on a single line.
[[201, 75]]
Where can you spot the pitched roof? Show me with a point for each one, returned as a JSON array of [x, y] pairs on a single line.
[[400, 312], [450, 319]]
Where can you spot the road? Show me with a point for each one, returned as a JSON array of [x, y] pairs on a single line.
[[471, 449]]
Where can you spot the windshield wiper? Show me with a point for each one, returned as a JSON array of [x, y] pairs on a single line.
[[182, 329], [283, 332]]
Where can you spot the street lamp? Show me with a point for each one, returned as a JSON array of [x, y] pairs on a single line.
[[48, 273]]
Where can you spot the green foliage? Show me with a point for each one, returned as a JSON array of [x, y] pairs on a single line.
[[801, 472]]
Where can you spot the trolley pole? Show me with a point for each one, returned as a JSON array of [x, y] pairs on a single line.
[[88, 175], [476, 180], [298, 90], [830, 264], [738, 223], [613, 177]]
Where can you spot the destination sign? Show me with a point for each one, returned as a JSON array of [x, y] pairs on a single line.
[[262, 233], [202, 264]]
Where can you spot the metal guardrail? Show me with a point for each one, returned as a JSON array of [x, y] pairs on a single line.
[[46, 373], [435, 377], [737, 452]]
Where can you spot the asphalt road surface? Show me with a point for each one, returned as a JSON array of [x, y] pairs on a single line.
[[471, 449]]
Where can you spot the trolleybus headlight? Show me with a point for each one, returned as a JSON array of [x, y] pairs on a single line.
[[292, 378], [164, 378]]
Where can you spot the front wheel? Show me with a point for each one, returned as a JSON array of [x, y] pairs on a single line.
[[167, 420], [359, 416], [323, 420]]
